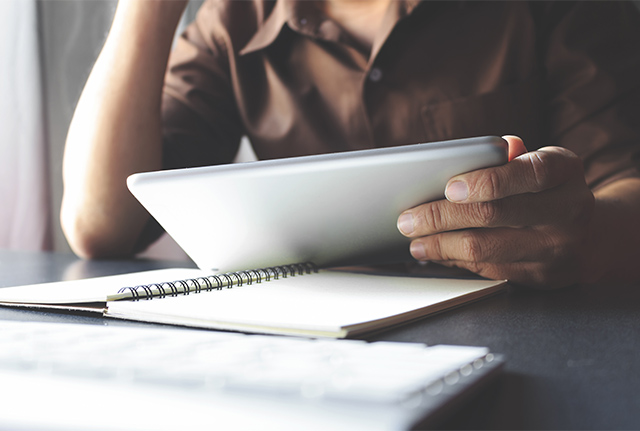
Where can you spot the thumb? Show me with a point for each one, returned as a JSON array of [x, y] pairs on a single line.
[[516, 146]]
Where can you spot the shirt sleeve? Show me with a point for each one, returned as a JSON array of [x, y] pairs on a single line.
[[592, 66], [201, 124]]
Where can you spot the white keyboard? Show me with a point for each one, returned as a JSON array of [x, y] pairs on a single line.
[[169, 371]]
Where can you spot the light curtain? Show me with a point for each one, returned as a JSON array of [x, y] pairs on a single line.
[[24, 189]]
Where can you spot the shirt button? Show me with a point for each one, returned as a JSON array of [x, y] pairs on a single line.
[[375, 75], [303, 21]]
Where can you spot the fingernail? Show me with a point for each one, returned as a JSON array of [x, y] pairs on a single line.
[[457, 191], [405, 223], [417, 250]]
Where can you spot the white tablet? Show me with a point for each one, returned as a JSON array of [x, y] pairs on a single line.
[[331, 209]]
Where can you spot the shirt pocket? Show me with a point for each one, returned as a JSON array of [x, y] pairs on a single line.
[[510, 110]]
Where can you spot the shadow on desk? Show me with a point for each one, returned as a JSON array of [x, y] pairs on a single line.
[[571, 355], [499, 405]]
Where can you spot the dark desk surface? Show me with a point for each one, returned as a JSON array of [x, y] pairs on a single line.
[[572, 354]]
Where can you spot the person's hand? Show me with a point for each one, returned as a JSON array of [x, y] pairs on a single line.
[[528, 221]]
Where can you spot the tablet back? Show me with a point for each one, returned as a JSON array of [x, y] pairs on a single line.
[[331, 209]]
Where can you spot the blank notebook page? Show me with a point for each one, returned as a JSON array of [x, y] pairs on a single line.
[[326, 301]]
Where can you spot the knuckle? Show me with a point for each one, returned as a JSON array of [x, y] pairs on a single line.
[[553, 244], [560, 249], [472, 249], [436, 247], [552, 166], [572, 166], [576, 163], [493, 184], [486, 185], [488, 214], [432, 218], [541, 169], [479, 268]]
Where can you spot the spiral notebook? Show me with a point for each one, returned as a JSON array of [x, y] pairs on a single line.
[[287, 300]]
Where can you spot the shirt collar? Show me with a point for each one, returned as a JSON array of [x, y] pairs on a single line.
[[269, 30], [398, 10], [302, 16]]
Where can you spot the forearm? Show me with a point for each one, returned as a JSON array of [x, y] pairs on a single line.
[[616, 244], [116, 130]]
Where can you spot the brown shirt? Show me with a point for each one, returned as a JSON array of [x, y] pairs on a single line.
[[295, 83]]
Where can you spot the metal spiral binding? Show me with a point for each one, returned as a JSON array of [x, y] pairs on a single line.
[[217, 282]]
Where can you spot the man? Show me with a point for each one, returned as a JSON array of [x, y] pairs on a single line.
[[308, 77]]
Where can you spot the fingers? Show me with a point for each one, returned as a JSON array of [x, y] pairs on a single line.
[[525, 221], [527, 173], [557, 206], [528, 256], [499, 245]]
